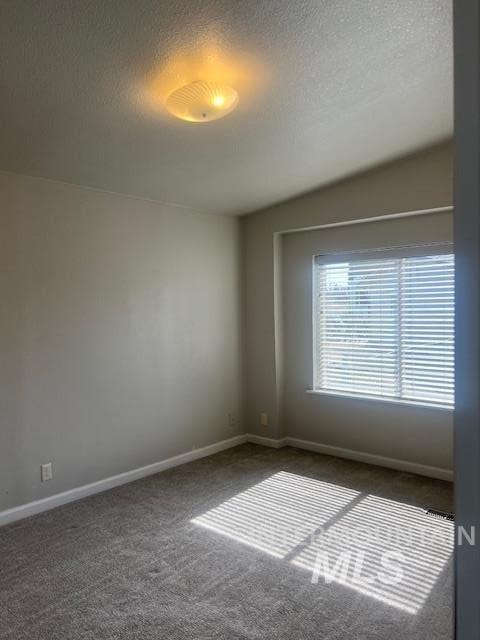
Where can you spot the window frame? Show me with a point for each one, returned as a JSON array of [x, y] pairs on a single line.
[[332, 257]]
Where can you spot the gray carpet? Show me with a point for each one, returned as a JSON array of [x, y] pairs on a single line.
[[224, 548]]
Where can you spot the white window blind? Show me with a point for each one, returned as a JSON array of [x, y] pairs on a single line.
[[385, 327]]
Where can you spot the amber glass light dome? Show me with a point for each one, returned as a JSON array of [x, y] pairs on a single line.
[[202, 101]]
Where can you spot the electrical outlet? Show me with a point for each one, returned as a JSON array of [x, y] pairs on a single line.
[[264, 419], [232, 421], [46, 471]]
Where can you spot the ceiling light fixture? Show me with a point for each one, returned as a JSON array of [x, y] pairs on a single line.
[[202, 101]]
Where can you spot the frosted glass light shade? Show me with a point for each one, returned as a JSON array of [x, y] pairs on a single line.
[[202, 101]]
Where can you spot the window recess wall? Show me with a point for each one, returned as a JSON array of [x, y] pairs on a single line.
[[408, 432]]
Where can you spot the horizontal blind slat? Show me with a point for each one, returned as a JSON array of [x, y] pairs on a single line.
[[360, 325]]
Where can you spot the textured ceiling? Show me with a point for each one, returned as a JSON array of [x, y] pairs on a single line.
[[327, 88]]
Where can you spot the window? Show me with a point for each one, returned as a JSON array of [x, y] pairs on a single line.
[[384, 327]]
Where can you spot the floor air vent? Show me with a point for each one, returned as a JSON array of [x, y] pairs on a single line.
[[445, 515]]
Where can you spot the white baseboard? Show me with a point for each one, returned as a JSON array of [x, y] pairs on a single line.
[[44, 504], [371, 458], [266, 442], [351, 454]]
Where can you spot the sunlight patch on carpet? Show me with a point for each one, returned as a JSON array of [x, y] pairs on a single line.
[[387, 550]]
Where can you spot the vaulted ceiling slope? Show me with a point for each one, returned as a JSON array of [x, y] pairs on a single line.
[[326, 89]]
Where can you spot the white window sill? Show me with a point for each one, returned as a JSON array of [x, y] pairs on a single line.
[[371, 398]]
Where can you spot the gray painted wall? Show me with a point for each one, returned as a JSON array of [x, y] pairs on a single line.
[[423, 435], [119, 334], [120, 323], [421, 181]]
